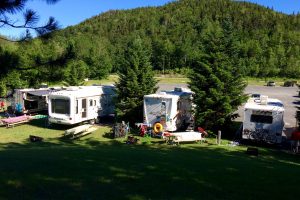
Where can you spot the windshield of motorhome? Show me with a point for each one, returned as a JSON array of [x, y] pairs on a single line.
[[60, 106], [261, 119]]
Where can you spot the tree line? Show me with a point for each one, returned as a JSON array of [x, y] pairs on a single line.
[[265, 43]]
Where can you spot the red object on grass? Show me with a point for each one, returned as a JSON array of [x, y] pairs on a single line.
[[2, 104], [295, 135], [167, 134], [143, 130], [201, 130]]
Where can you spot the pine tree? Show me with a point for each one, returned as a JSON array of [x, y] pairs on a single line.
[[218, 86], [75, 73], [136, 80], [12, 7]]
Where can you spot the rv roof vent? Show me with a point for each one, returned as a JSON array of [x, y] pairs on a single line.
[[178, 89], [263, 100], [163, 93], [72, 88]]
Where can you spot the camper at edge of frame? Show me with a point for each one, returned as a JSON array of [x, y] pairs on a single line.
[[81, 104], [263, 120]]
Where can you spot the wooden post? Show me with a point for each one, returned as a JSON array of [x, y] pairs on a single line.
[[219, 137]]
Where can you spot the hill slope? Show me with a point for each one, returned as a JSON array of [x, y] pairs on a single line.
[[266, 43]]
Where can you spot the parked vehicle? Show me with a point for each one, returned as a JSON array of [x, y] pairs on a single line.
[[289, 83], [263, 120], [168, 110], [271, 83], [79, 104]]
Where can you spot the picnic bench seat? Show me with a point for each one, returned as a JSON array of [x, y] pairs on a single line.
[[79, 131], [188, 136], [12, 121]]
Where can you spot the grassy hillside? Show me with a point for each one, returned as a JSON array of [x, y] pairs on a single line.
[[264, 43]]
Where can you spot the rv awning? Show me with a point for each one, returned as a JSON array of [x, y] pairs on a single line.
[[39, 92]]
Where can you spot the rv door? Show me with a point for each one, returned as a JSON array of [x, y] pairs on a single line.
[[92, 109], [83, 108]]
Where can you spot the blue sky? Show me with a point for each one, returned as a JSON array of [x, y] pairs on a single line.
[[71, 12], [285, 6]]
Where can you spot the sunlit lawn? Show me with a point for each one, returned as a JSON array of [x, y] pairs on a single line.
[[173, 79], [263, 81], [96, 167], [162, 79]]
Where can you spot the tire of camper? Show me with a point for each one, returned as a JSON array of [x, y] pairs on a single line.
[[92, 121]]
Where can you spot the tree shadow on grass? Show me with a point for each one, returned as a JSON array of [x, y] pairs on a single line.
[[90, 169]]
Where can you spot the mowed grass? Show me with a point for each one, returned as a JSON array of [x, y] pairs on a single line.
[[173, 79], [263, 81], [96, 167], [161, 79]]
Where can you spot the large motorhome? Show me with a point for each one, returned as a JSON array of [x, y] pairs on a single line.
[[263, 120], [172, 109], [79, 104], [31, 100]]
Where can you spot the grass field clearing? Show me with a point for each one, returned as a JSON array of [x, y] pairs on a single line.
[[171, 79]]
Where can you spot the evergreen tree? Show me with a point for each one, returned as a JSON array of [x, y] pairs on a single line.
[[136, 80], [11, 7], [75, 73], [217, 85]]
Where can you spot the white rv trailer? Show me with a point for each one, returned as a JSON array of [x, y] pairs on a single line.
[[31, 100], [78, 104], [172, 109], [263, 120]]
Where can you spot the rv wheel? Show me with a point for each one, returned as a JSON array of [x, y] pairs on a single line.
[[92, 121]]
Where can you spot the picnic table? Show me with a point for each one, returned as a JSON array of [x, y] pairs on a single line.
[[177, 137], [12, 121]]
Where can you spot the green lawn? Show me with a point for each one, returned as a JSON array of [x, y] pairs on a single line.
[[263, 81], [162, 79], [173, 79], [95, 167]]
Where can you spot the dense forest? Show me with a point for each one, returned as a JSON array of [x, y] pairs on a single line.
[[265, 43]]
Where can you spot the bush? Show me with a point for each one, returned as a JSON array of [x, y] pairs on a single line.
[[3, 89]]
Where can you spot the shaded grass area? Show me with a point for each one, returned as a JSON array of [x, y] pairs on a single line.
[[95, 167]]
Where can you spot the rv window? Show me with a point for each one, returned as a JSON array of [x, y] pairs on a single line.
[[60, 106], [94, 102], [91, 102], [261, 119], [163, 106]]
